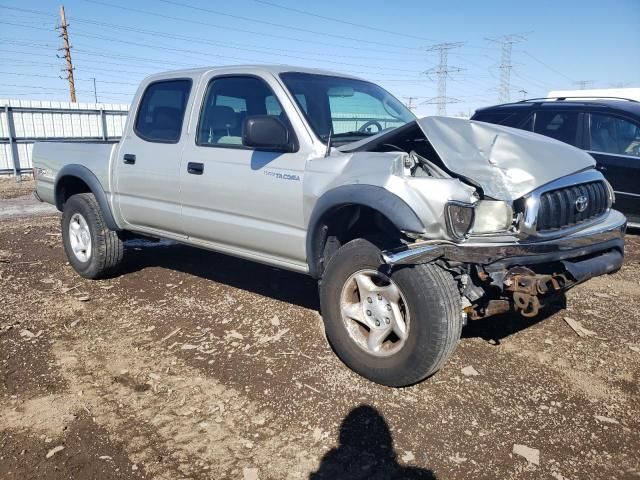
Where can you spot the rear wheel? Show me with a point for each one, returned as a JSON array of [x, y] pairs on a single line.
[[93, 250], [395, 327]]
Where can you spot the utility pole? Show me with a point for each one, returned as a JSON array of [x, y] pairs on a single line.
[[524, 93], [95, 92], [442, 73], [507, 42], [67, 53]]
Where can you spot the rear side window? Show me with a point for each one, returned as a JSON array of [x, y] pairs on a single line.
[[560, 125], [161, 112], [609, 134]]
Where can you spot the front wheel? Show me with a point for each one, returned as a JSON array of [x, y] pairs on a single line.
[[394, 327], [93, 250]]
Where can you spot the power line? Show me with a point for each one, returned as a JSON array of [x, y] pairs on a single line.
[[253, 20], [40, 87], [442, 72], [506, 41], [260, 50], [549, 67], [191, 21], [185, 52], [52, 77], [344, 22], [273, 24]]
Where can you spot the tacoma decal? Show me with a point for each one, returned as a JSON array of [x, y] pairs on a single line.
[[282, 176]]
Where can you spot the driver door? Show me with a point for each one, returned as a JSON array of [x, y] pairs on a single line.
[[234, 198]]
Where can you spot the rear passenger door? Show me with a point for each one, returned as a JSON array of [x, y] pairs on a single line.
[[147, 166], [614, 142], [235, 198]]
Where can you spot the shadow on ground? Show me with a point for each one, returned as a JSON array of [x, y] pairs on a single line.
[[292, 287], [501, 326], [365, 451], [254, 277]]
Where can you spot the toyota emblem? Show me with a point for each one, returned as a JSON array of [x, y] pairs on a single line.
[[582, 202]]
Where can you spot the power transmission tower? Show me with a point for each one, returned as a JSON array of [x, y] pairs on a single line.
[[442, 73], [64, 33], [584, 84], [409, 104], [507, 42]]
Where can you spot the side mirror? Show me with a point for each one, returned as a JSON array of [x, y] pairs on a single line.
[[266, 132]]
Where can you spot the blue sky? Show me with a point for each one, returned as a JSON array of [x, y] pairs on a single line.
[[119, 42]]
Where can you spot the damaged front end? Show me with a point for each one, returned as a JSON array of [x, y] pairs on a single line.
[[523, 219], [519, 274]]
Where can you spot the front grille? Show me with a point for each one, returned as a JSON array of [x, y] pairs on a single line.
[[561, 208]]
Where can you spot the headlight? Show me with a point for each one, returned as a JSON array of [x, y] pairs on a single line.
[[612, 195], [459, 218], [492, 216]]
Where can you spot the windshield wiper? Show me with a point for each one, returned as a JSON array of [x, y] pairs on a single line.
[[355, 133]]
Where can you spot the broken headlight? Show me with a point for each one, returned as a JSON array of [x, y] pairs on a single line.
[[459, 218], [492, 216]]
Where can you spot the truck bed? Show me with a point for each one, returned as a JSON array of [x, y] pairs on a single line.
[[50, 157]]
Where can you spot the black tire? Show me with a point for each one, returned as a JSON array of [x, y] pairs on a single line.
[[107, 249], [433, 302]]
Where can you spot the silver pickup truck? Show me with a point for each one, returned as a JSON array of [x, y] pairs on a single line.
[[411, 226]]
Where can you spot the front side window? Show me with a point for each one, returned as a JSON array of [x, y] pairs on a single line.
[[161, 111], [347, 108], [560, 125], [609, 134], [227, 103]]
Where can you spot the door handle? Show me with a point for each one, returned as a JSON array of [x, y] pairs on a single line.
[[195, 168], [129, 158]]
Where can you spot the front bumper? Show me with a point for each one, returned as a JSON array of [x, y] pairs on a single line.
[[604, 236]]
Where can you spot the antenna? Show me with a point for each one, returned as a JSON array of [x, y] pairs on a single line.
[[329, 138]]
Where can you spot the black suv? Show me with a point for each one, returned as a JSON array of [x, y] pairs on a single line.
[[607, 128]]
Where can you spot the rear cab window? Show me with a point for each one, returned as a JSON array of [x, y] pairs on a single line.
[[161, 111]]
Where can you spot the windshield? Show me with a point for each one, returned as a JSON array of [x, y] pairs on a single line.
[[351, 108]]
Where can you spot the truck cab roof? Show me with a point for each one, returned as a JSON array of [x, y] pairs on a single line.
[[244, 69]]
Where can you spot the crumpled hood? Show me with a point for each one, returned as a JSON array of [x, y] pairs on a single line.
[[506, 162]]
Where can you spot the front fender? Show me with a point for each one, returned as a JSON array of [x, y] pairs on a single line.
[[87, 176], [396, 210]]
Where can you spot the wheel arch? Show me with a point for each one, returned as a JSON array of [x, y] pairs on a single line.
[[73, 179], [374, 200]]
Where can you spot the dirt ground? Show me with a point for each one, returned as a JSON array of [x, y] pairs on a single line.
[[196, 365], [10, 188]]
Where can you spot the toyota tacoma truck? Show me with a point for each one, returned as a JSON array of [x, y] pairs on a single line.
[[412, 227]]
